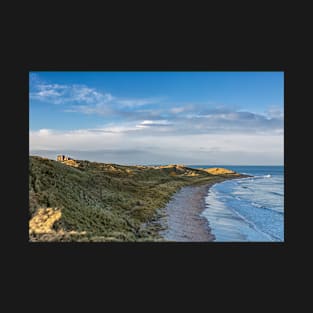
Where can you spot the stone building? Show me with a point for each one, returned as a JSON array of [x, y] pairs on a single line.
[[62, 158]]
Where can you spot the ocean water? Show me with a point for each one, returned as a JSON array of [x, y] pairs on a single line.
[[248, 209]]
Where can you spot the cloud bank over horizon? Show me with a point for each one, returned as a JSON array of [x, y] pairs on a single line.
[[150, 130]]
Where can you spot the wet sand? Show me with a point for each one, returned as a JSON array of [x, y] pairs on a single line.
[[182, 220]]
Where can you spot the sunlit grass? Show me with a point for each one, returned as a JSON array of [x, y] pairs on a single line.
[[43, 220]]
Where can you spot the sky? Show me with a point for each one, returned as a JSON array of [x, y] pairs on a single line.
[[192, 118]]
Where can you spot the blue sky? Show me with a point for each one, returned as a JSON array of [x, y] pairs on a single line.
[[158, 117]]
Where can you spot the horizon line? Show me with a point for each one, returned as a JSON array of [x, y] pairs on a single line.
[[168, 163]]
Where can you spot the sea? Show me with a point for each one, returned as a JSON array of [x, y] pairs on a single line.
[[247, 209]]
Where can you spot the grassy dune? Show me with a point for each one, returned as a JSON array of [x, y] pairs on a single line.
[[89, 201]]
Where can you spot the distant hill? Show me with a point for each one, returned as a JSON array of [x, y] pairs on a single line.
[[88, 201]]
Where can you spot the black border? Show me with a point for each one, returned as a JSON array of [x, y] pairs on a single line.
[[55, 37], [243, 256]]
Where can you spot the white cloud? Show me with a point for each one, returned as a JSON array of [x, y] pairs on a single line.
[[152, 148], [64, 94], [102, 109], [117, 129], [229, 122], [77, 139], [155, 123], [82, 98], [44, 132], [84, 94], [275, 112], [186, 108]]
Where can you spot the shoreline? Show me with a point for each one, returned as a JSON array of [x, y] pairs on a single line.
[[182, 221]]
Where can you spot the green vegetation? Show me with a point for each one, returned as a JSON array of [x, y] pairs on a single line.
[[104, 202]]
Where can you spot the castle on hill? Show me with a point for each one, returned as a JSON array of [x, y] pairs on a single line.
[[62, 158]]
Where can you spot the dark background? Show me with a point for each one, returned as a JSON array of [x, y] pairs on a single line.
[[58, 38]]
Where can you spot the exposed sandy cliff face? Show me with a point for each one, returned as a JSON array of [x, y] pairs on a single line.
[[219, 171]]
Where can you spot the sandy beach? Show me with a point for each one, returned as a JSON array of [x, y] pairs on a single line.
[[182, 220]]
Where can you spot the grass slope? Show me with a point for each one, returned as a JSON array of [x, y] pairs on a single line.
[[103, 202]]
